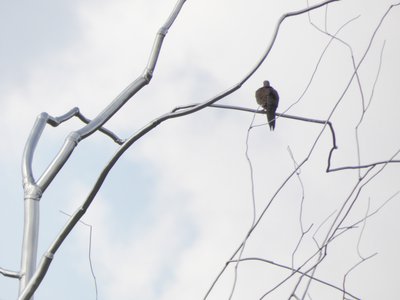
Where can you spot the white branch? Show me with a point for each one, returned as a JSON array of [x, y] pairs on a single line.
[[9, 273], [69, 145]]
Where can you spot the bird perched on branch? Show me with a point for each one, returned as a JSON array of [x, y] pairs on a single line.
[[268, 98]]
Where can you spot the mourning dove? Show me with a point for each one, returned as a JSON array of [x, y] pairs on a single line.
[[267, 97]]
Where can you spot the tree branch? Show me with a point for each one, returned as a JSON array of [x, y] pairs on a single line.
[[72, 141], [9, 273], [75, 112], [294, 271]]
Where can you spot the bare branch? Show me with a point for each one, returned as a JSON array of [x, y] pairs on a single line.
[[9, 273], [356, 196], [74, 138], [364, 110], [334, 108], [352, 268], [343, 213], [113, 136], [254, 69], [293, 272], [89, 252], [354, 225], [327, 242], [352, 77], [28, 288], [367, 166], [303, 232], [358, 248], [376, 77], [33, 189], [253, 206], [282, 115], [319, 228], [362, 229], [318, 63]]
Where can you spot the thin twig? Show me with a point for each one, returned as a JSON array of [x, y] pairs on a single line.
[[356, 190], [363, 259], [255, 68], [377, 76], [363, 228], [89, 253], [336, 224], [314, 72], [357, 195], [249, 259], [352, 268], [253, 198], [365, 108], [354, 74], [320, 226], [303, 232], [355, 224], [304, 119]]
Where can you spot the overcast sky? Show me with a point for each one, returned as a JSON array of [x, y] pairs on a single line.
[[179, 202]]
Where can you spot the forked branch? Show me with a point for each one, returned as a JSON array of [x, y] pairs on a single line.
[[32, 278]]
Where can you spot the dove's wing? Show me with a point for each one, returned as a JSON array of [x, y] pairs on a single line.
[[262, 97]]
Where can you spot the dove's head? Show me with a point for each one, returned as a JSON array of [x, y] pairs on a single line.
[[266, 83]]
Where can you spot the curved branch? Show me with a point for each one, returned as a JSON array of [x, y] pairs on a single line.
[[72, 141], [75, 112], [9, 273], [254, 69], [319, 62], [75, 137], [294, 270], [30, 147], [280, 115], [310, 151], [286, 116], [140, 82]]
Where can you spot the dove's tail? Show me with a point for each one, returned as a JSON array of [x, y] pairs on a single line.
[[271, 119], [271, 125]]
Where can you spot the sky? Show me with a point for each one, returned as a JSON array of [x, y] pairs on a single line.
[[179, 202]]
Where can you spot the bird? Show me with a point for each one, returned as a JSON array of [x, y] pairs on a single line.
[[268, 98]]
